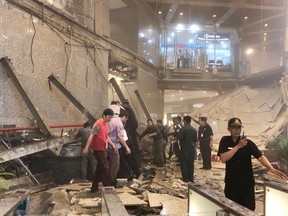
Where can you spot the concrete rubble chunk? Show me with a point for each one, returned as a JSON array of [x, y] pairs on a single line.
[[173, 207], [130, 200], [89, 202], [155, 200], [61, 201]]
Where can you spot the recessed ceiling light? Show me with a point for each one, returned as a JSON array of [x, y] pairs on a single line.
[[214, 15], [265, 24], [181, 14], [264, 48], [265, 33], [245, 17], [170, 10], [159, 12]]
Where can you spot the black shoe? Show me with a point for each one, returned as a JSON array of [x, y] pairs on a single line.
[[94, 191]]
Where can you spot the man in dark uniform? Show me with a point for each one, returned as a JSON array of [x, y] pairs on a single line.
[[187, 137], [236, 151], [174, 147], [157, 147], [164, 133], [205, 137]]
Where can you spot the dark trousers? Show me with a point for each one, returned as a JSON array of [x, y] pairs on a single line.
[[243, 195], [128, 162], [206, 153], [102, 171], [187, 164], [163, 150], [186, 62], [174, 147], [88, 165], [157, 151], [178, 62]]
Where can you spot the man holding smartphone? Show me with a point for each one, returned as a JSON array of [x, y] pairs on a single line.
[[236, 152]]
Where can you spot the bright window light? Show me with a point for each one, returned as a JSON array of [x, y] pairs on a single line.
[[194, 28], [249, 51], [180, 27]]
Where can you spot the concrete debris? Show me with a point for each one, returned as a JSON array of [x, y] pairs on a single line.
[[130, 200], [89, 202], [159, 191]]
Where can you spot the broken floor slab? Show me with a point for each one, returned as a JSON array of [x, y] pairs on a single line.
[[130, 200], [155, 200]]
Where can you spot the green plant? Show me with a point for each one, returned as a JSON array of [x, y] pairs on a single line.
[[279, 144], [3, 182]]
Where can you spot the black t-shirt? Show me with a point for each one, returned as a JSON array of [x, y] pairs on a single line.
[[239, 167], [205, 132]]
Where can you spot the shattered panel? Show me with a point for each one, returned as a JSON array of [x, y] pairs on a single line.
[[130, 200]]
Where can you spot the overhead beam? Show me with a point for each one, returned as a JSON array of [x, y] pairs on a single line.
[[71, 98], [231, 11], [266, 31], [219, 4], [171, 12], [7, 65], [117, 89], [28, 149], [264, 20], [144, 107]]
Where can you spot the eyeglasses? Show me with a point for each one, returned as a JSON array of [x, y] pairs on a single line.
[[236, 127]]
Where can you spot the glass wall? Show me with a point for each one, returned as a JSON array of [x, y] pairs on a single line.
[[193, 48]]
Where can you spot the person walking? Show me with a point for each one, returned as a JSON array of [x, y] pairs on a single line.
[[236, 151], [98, 140], [116, 134]]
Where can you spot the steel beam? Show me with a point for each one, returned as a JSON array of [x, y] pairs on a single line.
[[111, 203], [117, 89], [172, 10], [232, 9], [7, 65], [220, 4], [145, 109], [71, 98], [264, 20], [27, 149]]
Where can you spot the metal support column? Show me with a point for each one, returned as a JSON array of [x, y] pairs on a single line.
[[7, 65], [71, 98], [145, 109], [117, 89], [21, 162]]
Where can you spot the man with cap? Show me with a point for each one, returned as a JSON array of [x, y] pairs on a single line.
[[236, 151], [205, 139]]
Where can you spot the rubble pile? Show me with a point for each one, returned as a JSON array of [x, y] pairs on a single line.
[[158, 191]]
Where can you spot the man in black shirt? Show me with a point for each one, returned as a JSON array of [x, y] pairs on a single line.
[[164, 133], [153, 132], [236, 151], [187, 137], [205, 137]]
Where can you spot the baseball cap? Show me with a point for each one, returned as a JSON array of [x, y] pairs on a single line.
[[234, 122], [203, 118]]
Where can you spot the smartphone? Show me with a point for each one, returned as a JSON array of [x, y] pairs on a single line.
[[243, 136]]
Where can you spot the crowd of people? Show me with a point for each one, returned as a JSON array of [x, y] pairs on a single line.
[[113, 142]]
